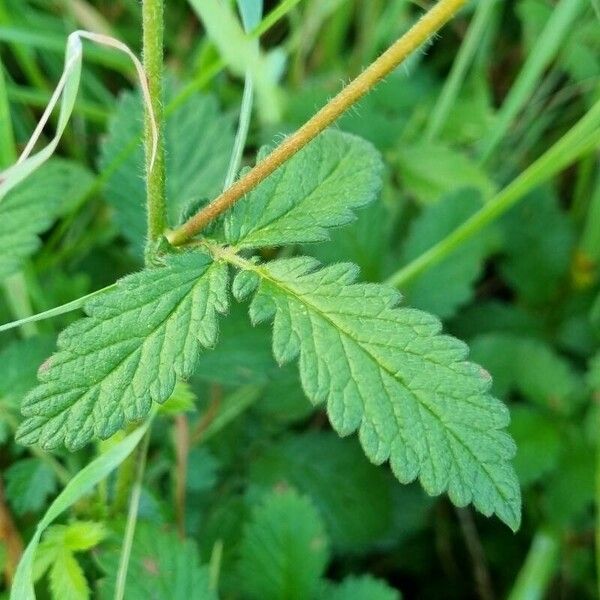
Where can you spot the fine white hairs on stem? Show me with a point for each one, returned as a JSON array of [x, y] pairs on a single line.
[[67, 88]]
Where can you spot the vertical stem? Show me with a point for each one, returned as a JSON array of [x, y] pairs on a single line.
[[134, 505], [464, 58], [152, 19], [539, 567], [542, 54]]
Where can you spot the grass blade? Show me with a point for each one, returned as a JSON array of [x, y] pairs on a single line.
[[545, 50], [80, 485]]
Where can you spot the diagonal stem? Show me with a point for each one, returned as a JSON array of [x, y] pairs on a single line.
[[429, 24]]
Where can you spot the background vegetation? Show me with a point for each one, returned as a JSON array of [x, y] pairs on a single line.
[[270, 502]]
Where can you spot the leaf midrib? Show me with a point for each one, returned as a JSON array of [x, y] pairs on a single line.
[[265, 275]]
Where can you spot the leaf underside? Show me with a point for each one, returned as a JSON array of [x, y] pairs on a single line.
[[388, 373], [130, 350]]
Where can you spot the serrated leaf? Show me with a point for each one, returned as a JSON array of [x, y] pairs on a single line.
[[360, 588], [284, 549], [352, 495], [29, 482], [449, 284], [388, 372], [314, 190], [162, 567], [78, 536], [198, 143], [67, 580], [30, 208], [138, 339]]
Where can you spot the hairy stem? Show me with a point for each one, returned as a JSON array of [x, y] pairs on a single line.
[[152, 18], [431, 22]]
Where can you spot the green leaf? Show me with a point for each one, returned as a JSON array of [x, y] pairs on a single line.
[[284, 549], [353, 496], [162, 567], [430, 171], [532, 368], [198, 142], [283, 401], [533, 430], [388, 372], [29, 482], [539, 240], [360, 588], [56, 553], [313, 191], [19, 362], [29, 209], [365, 242], [446, 286], [67, 581], [78, 536], [81, 484], [242, 356], [138, 339], [570, 488]]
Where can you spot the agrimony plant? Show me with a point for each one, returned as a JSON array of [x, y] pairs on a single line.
[[382, 370]]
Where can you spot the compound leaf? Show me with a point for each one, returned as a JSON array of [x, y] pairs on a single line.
[[139, 337], [284, 549], [315, 190], [388, 372]]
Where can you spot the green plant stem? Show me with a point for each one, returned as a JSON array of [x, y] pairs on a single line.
[[539, 567], [153, 26], [429, 24], [15, 286], [544, 51], [8, 154], [464, 58], [590, 238], [597, 528], [134, 505], [197, 83], [243, 123], [280, 11], [581, 138]]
